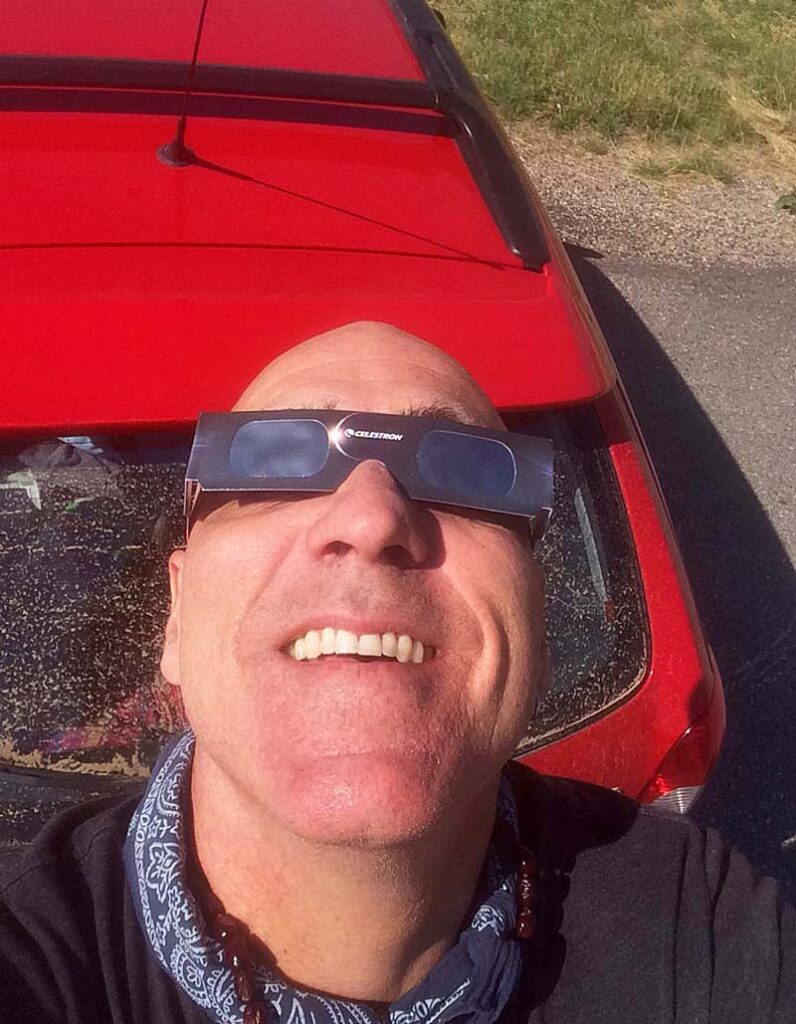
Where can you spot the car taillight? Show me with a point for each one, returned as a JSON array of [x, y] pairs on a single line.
[[685, 769]]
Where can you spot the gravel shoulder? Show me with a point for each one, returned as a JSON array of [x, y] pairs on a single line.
[[596, 202]]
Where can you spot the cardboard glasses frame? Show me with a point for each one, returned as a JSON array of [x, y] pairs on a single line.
[[438, 461]]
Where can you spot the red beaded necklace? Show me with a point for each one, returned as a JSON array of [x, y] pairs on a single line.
[[244, 951], [526, 873]]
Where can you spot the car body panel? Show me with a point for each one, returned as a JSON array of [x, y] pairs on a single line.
[[126, 274], [354, 38], [93, 179], [155, 348]]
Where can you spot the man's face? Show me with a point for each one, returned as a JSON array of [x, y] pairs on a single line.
[[343, 748]]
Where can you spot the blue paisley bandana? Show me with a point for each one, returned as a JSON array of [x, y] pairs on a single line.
[[470, 985]]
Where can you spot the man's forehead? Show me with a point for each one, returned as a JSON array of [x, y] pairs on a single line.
[[371, 368]]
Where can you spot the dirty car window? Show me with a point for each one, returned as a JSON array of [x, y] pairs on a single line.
[[86, 527]]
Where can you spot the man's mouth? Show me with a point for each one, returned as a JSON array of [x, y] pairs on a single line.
[[331, 642]]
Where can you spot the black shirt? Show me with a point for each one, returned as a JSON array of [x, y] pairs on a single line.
[[640, 918]]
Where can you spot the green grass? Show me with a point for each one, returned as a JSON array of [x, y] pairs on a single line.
[[706, 164], [703, 162], [651, 168], [680, 71], [787, 201]]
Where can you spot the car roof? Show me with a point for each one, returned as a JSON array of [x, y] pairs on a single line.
[[354, 38], [139, 293]]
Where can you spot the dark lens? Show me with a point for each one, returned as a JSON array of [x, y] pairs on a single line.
[[464, 465], [279, 448]]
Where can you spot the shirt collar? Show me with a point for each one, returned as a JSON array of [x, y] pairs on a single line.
[[471, 984]]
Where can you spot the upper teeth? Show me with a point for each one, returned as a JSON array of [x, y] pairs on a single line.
[[316, 642]]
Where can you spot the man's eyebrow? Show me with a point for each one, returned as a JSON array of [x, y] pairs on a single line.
[[443, 412], [435, 412]]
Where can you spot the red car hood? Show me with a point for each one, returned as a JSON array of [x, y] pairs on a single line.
[[135, 293]]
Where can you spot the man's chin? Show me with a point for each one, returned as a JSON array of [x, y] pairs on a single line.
[[364, 800]]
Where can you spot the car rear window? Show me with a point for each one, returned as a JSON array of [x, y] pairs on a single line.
[[86, 527], [594, 609]]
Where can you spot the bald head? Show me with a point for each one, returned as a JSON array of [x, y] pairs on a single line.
[[370, 367]]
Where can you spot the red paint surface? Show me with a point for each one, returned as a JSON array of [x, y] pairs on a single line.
[[128, 276], [82, 179], [358, 37], [110, 336]]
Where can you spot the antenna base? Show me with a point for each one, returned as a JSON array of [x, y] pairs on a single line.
[[176, 154]]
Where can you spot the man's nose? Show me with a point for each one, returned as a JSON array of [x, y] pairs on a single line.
[[368, 515]]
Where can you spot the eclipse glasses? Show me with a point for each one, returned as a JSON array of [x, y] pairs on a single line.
[[313, 451]]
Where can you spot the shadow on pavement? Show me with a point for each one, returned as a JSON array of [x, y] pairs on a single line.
[[743, 583]]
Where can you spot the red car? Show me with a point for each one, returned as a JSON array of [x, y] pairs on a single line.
[[338, 164]]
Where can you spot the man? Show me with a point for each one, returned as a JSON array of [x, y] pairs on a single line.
[[341, 840]]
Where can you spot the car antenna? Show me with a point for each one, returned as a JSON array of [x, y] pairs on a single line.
[[176, 153]]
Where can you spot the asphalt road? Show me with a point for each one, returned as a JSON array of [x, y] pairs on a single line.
[[709, 359]]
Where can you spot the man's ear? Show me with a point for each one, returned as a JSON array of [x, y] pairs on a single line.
[[170, 658]]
